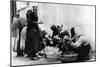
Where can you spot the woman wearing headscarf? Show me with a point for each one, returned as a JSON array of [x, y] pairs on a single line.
[[80, 45], [32, 45], [55, 31], [16, 27]]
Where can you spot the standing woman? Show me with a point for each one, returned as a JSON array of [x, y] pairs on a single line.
[[32, 44]]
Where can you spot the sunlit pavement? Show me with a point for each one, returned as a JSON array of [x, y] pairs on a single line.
[[26, 61]]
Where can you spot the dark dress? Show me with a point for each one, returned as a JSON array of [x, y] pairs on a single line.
[[83, 50], [33, 39], [32, 45]]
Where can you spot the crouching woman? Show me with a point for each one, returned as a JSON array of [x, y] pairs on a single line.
[[81, 46]]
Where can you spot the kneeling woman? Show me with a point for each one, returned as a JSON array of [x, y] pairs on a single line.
[[81, 45]]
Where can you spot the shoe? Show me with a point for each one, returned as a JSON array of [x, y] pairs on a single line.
[[20, 55], [34, 58]]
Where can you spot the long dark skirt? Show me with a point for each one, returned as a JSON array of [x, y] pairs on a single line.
[[83, 52], [32, 45]]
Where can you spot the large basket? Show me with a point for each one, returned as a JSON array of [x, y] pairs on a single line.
[[52, 58], [69, 58]]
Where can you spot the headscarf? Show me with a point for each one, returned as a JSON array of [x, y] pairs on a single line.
[[31, 16], [78, 31], [75, 33]]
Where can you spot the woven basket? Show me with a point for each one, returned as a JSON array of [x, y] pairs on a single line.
[[52, 58], [69, 58]]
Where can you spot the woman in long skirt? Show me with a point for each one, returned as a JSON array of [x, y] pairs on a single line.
[[32, 45], [81, 45]]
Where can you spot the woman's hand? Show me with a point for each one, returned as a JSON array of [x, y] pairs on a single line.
[[75, 45]]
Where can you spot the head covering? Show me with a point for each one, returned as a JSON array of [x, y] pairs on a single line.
[[31, 16], [53, 27], [72, 32], [66, 37], [78, 31], [64, 33]]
